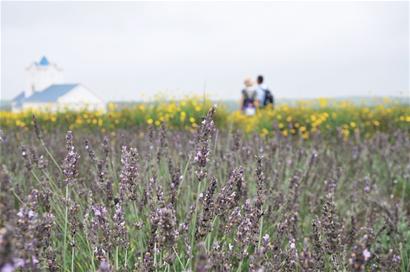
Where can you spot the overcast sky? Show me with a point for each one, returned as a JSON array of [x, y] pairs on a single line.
[[128, 50]]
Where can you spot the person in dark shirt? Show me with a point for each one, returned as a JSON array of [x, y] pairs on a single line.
[[249, 97]]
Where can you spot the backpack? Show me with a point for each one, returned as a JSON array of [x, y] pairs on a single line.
[[269, 99], [248, 101]]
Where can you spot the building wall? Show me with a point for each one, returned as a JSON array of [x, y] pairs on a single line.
[[40, 77], [79, 98], [83, 97], [55, 107], [39, 106], [15, 107]]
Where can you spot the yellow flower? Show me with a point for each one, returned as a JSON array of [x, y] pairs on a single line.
[[345, 133], [323, 102], [150, 121], [264, 132], [192, 119], [305, 135], [353, 124], [79, 121], [182, 116], [111, 106]]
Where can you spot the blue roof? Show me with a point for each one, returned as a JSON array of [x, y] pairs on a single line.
[[19, 97], [51, 94], [44, 61], [18, 100]]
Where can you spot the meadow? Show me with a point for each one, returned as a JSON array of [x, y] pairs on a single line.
[[186, 186], [301, 119]]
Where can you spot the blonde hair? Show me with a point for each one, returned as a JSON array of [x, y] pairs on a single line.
[[248, 82]]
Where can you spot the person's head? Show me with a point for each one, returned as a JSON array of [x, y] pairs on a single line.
[[260, 79], [248, 82]]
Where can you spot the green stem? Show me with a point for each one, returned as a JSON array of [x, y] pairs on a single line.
[[65, 226], [116, 259], [179, 259], [260, 233], [50, 155], [198, 191], [155, 256], [35, 176], [92, 254], [72, 258], [208, 238], [52, 182], [18, 198], [125, 259], [184, 175]]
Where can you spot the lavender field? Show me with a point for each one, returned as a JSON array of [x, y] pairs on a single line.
[[160, 199]]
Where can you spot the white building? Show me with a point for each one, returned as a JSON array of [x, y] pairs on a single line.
[[46, 90]]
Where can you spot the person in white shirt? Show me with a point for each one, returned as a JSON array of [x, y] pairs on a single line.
[[263, 95]]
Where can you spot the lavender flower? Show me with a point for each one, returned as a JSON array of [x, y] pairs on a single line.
[[360, 256], [120, 233], [104, 266], [89, 150], [129, 173], [36, 128], [176, 179], [70, 163], [99, 231], [208, 213], [202, 263], [330, 222], [6, 250], [205, 131], [231, 192], [25, 153]]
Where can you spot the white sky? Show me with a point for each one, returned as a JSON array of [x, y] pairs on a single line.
[[129, 50]]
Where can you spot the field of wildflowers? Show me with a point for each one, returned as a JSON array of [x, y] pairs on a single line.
[[303, 120], [190, 187]]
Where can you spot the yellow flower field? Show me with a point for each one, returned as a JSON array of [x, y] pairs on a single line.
[[304, 119]]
